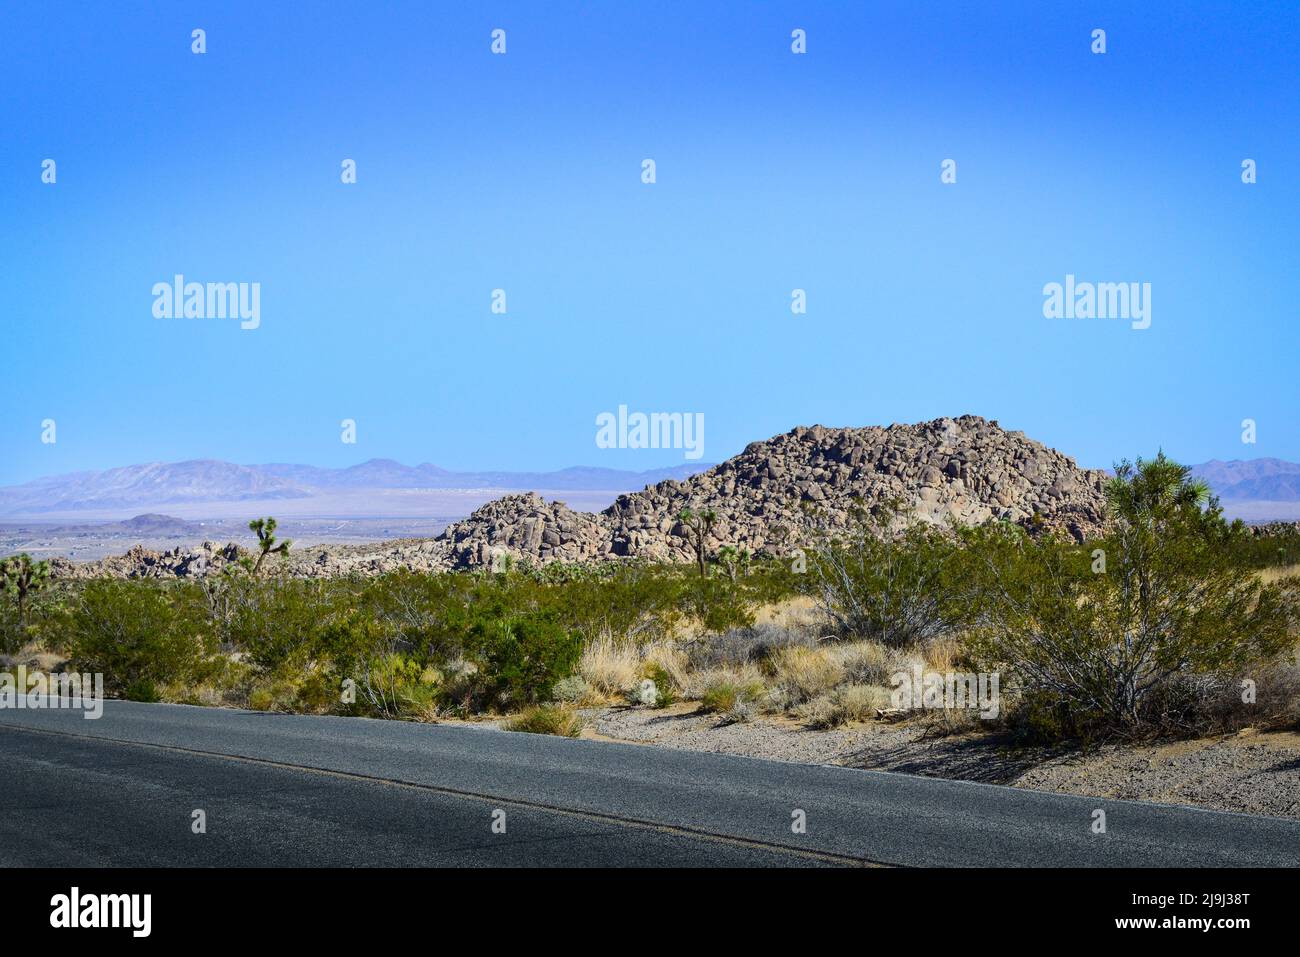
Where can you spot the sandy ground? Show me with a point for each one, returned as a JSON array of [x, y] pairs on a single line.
[[1247, 772]]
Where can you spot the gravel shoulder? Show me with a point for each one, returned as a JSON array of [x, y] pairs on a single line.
[[1249, 772]]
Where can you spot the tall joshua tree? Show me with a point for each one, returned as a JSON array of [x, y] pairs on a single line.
[[264, 528], [21, 578], [698, 525]]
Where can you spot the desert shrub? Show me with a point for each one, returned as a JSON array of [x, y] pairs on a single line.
[[1266, 696], [278, 622], [140, 634], [430, 616], [547, 719], [49, 619], [739, 713], [717, 603], [868, 662], [570, 690], [722, 696], [395, 685], [1278, 549], [522, 657], [143, 689], [461, 687], [771, 581], [13, 634], [635, 603], [1122, 647], [202, 695], [273, 695], [885, 584], [727, 693]]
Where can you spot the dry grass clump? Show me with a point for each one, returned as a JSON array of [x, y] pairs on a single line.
[[667, 657], [868, 662], [945, 653], [801, 673], [726, 691], [743, 646], [610, 667], [1217, 703], [203, 695], [846, 704], [800, 613], [547, 719], [615, 670], [1271, 576], [35, 657], [699, 682]]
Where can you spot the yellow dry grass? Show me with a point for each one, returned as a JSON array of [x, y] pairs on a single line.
[[1272, 575], [610, 666]]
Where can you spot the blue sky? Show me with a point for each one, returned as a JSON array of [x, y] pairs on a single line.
[[775, 171]]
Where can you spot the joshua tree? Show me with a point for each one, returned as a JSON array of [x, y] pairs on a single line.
[[698, 525], [1154, 490], [734, 560], [21, 578], [1149, 499], [265, 530]]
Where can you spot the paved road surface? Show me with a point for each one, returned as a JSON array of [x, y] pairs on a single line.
[[319, 791]]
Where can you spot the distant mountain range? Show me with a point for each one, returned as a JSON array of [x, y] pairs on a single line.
[[1253, 480], [200, 481]]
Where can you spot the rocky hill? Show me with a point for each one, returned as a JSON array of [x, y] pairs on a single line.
[[767, 500]]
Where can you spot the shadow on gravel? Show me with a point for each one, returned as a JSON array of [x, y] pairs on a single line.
[[1284, 766], [990, 760]]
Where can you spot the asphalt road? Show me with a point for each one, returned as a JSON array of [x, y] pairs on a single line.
[[319, 791]]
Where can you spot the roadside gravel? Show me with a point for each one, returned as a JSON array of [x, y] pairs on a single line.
[[1248, 772]]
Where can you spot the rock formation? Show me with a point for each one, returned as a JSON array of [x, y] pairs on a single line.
[[767, 500]]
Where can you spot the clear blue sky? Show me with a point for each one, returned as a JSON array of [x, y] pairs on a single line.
[[522, 172]]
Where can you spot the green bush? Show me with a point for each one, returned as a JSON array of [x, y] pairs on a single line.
[[279, 623], [884, 584], [142, 689], [12, 631], [139, 634], [521, 657], [718, 603], [1105, 647]]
